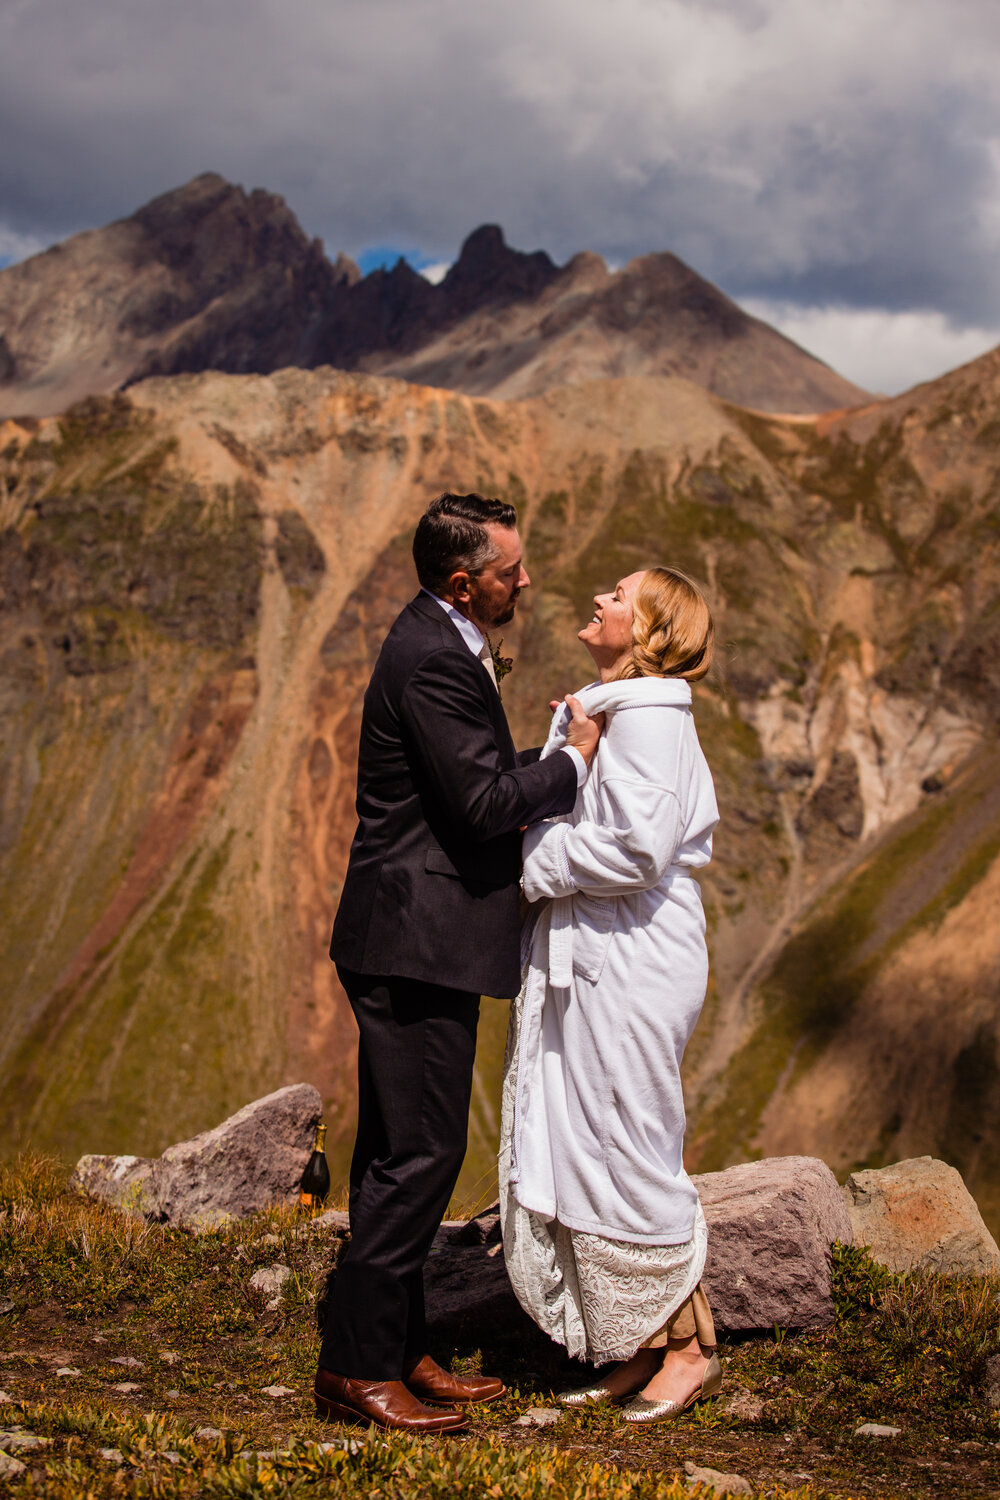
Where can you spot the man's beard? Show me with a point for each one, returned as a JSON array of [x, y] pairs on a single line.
[[498, 614]]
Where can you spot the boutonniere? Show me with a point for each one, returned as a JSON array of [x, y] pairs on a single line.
[[501, 664]]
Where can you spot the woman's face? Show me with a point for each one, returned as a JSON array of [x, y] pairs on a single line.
[[608, 636]]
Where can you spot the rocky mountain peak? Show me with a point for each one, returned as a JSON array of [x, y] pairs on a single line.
[[488, 271], [209, 276], [214, 238], [206, 219], [188, 201], [586, 268], [346, 271], [664, 283]]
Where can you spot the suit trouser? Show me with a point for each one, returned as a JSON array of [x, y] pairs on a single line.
[[415, 1057]]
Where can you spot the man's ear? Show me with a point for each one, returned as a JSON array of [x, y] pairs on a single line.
[[460, 586]]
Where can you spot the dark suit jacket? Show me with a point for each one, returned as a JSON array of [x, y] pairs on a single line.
[[432, 885]]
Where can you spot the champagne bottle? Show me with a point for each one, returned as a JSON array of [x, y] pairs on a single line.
[[315, 1182]]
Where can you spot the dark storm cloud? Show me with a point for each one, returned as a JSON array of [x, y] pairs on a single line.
[[844, 152]]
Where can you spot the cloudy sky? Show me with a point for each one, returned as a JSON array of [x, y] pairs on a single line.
[[832, 164]]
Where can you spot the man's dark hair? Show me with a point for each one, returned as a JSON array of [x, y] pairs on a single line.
[[451, 534]]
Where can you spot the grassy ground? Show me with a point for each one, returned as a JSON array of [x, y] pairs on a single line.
[[162, 1336]]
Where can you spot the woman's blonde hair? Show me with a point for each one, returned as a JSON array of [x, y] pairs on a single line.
[[673, 634]]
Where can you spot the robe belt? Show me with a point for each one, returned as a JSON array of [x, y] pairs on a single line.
[[561, 931]]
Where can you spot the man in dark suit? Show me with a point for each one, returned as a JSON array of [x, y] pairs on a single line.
[[429, 920]]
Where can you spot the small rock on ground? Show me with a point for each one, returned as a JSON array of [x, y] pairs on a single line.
[[270, 1279], [717, 1482], [209, 1434], [20, 1441], [129, 1361], [335, 1220], [67, 1372], [169, 1357], [539, 1416], [10, 1468], [277, 1390], [5, 1397], [111, 1455], [745, 1405], [126, 1387], [876, 1429]]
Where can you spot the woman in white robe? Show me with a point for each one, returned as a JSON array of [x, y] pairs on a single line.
[[604, 1236]]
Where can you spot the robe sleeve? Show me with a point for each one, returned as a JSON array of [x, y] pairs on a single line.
[[630, 849]]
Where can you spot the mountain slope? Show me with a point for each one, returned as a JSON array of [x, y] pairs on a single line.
[[654, 317], [195, 580], [209, 277], [201, 277]]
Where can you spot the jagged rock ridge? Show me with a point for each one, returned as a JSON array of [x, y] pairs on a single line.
[[210, 277]]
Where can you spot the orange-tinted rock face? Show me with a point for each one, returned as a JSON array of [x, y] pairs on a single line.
[[196, 579]]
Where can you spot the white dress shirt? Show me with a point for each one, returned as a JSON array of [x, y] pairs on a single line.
[[475, 640]]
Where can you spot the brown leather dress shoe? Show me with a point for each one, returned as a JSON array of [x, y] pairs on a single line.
[[379, 1403], [428, 1381]]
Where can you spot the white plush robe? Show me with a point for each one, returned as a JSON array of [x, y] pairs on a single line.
[[616, 976]]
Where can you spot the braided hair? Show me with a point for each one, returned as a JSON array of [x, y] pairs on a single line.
[[673, 634]]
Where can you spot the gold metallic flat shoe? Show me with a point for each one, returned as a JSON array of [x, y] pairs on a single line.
[[641, 1410], [597, 1395], [594, 1395]]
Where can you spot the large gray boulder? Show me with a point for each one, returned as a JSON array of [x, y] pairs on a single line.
[[251, 1161], [919, 1213], [770, 1227]]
